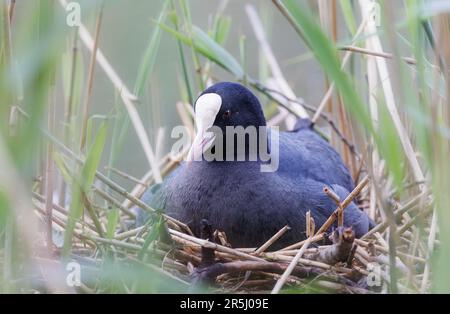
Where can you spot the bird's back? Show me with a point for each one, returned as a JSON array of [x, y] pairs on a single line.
[[306, 152]]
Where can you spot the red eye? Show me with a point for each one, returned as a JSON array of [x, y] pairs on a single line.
[[226, 114]]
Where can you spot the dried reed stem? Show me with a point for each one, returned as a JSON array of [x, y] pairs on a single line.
[[90, 82], [290, 268], [344, 204], [272, 240], [385, 55]]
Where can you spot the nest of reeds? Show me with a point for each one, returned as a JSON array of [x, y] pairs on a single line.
[[331, 259]]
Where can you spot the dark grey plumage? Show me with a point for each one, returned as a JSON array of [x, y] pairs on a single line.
[[249, 205]]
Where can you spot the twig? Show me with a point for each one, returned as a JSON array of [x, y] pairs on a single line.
[[330, 193], [310, 224], [274, 238], [376, 53], [337, 200], [290, 268], [344, 204]]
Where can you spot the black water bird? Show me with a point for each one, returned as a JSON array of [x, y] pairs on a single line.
[[240, 199]]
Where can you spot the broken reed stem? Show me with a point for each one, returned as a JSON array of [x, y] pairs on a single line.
[[90, 82], [310, 224], [330, 193], [291, 267], [272, 240], [385, 55], [337, 200], [344, 204]]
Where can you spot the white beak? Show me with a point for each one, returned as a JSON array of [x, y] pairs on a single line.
[[206, 109]]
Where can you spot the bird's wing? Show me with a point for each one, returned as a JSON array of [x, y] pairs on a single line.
[[306, 153]]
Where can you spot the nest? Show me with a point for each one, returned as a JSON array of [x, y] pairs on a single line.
[[344, 265]]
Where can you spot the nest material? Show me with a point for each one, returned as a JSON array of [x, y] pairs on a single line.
[[348, 265]]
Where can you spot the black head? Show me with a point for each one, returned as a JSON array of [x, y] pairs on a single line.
[[219, 108], [239, 106]]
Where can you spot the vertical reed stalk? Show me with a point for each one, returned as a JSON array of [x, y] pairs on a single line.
[[49, 175], [90, 82]]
